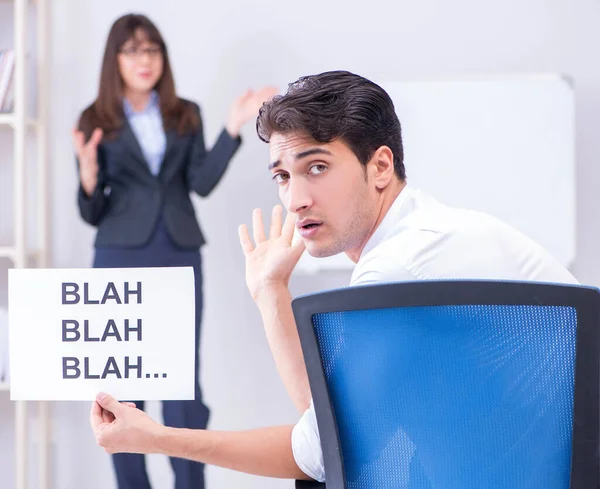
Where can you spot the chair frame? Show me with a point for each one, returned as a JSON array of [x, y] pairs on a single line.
[[585, 456]]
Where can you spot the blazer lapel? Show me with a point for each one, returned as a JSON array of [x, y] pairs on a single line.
[[133, 145], [171, 137]]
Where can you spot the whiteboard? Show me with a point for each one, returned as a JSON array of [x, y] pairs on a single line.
[[504, 145]]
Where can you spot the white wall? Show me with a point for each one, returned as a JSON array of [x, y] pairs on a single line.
[[220, 48]]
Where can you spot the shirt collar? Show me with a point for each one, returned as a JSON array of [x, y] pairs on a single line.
[[152, 103], [394, 213]]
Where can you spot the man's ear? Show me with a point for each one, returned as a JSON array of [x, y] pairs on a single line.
[[381, 167]]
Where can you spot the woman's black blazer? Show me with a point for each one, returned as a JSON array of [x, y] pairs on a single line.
[[129, 199]]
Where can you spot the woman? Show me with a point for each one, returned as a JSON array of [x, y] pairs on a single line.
[[140, 153]]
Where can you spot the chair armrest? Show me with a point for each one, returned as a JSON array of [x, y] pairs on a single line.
[[309, 485]]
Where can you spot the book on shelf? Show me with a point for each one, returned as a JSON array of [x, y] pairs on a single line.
[[7, 70]]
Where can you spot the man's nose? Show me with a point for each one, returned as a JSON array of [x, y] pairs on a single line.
[[298, 197]]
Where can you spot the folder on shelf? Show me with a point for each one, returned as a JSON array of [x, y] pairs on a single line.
[[4, 372], [7, 66]]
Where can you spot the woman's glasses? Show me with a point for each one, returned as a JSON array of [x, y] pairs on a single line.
[[153, 52]]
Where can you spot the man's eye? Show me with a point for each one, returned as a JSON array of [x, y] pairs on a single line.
[[280, 177], [316, 169]]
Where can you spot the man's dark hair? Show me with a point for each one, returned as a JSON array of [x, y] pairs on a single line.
[[336, 105]]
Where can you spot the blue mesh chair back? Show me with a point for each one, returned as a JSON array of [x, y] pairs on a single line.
[[455, 385]]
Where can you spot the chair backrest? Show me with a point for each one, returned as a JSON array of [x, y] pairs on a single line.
[[455, 384]]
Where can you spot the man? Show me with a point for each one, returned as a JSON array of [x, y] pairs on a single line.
[[337, 158]]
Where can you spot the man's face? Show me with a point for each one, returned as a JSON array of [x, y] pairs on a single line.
[[326, 187]]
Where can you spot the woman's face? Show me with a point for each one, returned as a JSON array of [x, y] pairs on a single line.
[[140, 63]]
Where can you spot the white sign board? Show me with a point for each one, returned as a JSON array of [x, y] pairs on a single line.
[[128, 332]]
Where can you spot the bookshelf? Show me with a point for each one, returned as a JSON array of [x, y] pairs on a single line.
[[18, 252]]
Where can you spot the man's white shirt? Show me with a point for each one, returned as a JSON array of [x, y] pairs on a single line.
[[422, 239]]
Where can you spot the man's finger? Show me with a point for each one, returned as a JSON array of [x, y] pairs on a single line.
[[258, 228], [107, 416], [298, 248], [96, 416], [288, 227], [109, 403], [275, 228], [245, 241]]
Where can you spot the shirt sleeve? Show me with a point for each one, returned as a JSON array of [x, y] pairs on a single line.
[[306, 445]]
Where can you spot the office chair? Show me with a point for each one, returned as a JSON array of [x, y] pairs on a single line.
[[455, 384]]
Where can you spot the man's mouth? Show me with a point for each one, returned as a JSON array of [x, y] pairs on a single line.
[[308, 228], [308, 224]]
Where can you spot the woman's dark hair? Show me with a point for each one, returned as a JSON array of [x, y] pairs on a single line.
[[107, 110], [336, 105]]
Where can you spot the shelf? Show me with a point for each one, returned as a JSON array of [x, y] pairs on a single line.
[[8, 119], [25, 128], [10, 252], [7, 252]]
